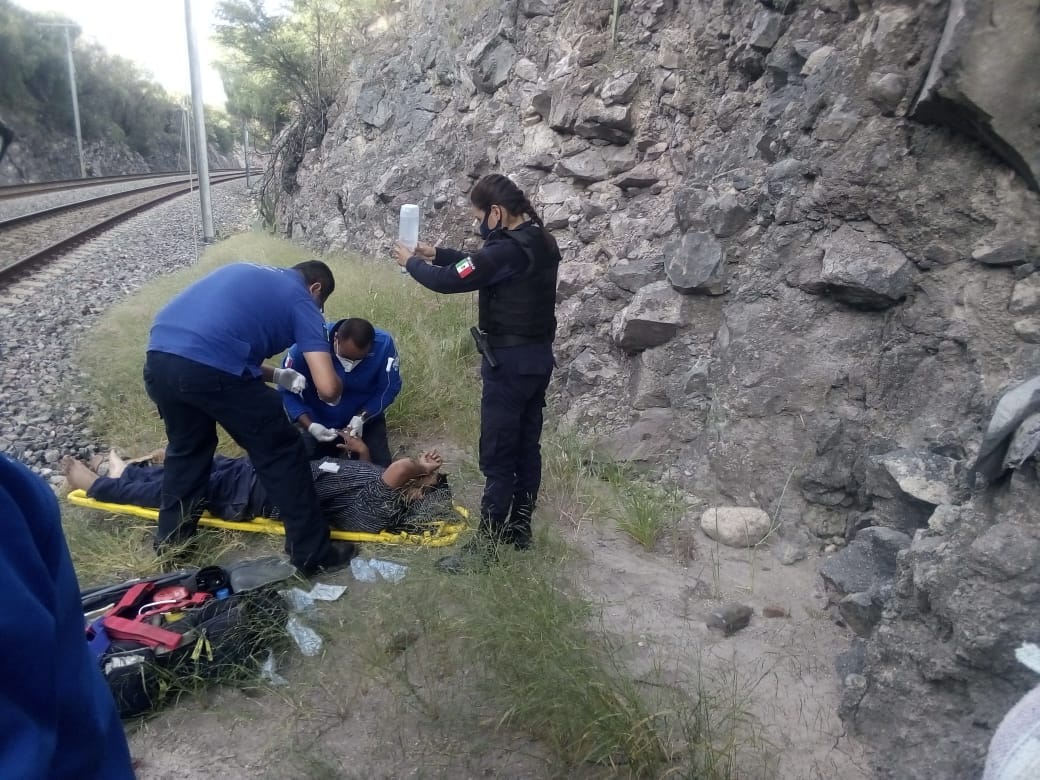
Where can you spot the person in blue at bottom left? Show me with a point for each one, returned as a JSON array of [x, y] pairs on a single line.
[[57, 715]]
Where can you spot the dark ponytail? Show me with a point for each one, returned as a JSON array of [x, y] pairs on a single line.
[[496, 189]]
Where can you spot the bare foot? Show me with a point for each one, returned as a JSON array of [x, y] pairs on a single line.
[[115, 465], [77, 474], [95, 462]]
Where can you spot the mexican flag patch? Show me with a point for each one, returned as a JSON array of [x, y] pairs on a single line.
[[464, 267]]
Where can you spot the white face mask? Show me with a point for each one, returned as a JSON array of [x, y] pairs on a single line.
[[348, 364]]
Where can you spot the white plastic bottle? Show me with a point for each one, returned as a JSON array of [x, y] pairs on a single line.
[[408, 229]]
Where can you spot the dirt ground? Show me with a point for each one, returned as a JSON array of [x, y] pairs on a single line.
[[335, 721], [783, 667]]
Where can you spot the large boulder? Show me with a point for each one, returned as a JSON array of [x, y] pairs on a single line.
[[941, 665], [696, 263], [984, 79], [651, 319], [924, 476], [1025, 297], [630, 275], [575, 277], [588, 166], [490, 62], [859, 578], [864, 272], [620, 88], [644, 441], [868, 562], [373, 107], [639, 177], [595, 119], [766, 31]]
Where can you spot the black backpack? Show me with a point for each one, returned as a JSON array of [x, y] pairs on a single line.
[[157, 638]]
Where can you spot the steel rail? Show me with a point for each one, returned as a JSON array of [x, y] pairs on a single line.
[[12, 267], [10, 191]]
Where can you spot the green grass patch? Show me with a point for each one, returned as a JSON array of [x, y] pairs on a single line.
[[646, 511], [517, 649], [513, 648]]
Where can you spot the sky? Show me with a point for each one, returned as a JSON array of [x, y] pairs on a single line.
[[151, 33]]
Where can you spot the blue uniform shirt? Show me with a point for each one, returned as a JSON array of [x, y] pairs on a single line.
[[372, 385], [57, 716], [237, 317]]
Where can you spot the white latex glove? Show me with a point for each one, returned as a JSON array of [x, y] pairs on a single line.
[[356, 425], [290, 379], [321, 433]]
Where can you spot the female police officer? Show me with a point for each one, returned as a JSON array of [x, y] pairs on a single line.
[[515, 274]]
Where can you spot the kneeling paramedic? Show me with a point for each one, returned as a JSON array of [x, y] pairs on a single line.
[[366, 362]]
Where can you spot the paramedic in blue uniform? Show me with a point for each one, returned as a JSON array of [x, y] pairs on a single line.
[[366, 362], [515, 274], [205, 365], [57, 715]]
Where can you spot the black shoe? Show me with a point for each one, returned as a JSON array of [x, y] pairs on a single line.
[[476, 555], [336, 558], [177, 553]]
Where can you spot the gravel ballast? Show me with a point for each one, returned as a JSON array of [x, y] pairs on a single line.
[[45, 316]]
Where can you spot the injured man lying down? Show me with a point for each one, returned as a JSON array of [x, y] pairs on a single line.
[[355, 495]]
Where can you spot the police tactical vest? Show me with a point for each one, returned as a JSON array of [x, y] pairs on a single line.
[[524, 305]]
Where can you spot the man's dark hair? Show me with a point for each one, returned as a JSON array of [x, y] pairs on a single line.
[[316, 271], [356, 330]]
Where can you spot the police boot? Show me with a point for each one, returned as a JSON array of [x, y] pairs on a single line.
[[519, 527], [478, 554]]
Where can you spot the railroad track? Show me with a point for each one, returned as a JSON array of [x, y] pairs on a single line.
[[29, 239], [42, 188]]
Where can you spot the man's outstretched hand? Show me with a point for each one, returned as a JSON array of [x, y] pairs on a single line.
[[430, 461]]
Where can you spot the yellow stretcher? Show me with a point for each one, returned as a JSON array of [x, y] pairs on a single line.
[[440, 534]]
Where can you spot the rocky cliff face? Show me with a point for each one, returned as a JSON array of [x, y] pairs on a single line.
[[801, 242]]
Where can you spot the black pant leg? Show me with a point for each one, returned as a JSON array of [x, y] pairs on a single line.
[[501, 404], [179, 389], [529, 455], [251, 412], [529, 465]]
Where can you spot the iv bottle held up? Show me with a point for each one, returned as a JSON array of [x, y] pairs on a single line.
[[408, 230]]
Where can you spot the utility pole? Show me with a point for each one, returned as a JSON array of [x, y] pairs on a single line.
[[201, 149], [245, 148], [186, 127], [72, 88]]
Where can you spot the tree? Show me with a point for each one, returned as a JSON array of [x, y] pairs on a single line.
[[118, 101], [299, 57]]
